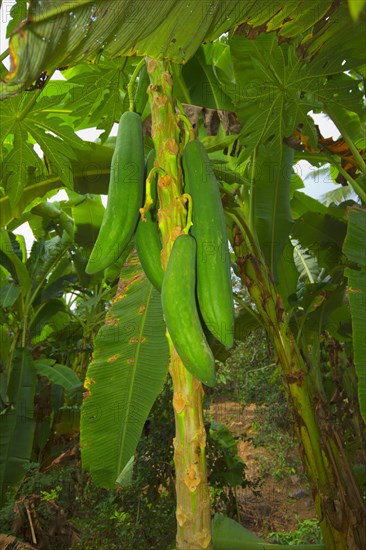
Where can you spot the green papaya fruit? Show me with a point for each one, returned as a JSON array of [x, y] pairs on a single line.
[[125, 193], [214, 289], [147, 237], [178, 297]]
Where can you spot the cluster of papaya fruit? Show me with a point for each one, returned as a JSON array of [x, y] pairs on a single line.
[[196, 286]]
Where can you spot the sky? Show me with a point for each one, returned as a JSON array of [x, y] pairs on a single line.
[[315, 185]]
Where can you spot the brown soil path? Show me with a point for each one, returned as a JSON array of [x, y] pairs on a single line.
[[285, 498]]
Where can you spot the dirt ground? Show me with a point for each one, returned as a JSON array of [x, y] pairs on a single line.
[[282, 503]]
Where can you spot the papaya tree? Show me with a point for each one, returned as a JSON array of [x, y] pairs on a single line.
[[261, 68]]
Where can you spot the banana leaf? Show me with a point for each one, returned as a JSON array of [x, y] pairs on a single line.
[[354, 248], [57, 33], [17, 423], [126, 374]]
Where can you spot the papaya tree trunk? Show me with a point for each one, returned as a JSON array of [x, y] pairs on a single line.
[[338, 501], [193, 502]]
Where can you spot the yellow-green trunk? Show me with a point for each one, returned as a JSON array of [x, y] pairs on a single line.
[[193, 502]]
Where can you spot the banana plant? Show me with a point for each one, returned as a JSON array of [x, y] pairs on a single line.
[[23, 279], [323, 454], [36, 319]]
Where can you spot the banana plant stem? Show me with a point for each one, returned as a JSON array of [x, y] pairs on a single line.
[[328, 469]]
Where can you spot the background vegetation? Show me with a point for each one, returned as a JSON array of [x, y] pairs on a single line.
[[245, 84]]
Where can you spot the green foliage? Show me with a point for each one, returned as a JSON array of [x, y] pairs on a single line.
[[308, 532], [273, 99], [95, 97], [274, 88], [58, 374], [226, 469], [246, 372], [142, 514], [38, 382], [53, 494], [200, 78], [282, 444], [59, 483], [26, 120], [227, 534], [250, 376], [124, 521]]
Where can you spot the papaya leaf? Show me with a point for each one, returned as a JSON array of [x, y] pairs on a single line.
[[96, 98], [16, 164], [124, 378], [267, 94], [27, 120], [40, 122], [90, 169], [56, 153], [17, 423], [274, 89]]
